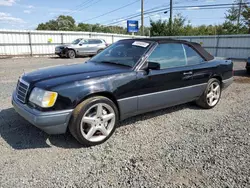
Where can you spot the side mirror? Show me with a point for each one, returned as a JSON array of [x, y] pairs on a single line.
[[80, 44], [154, 66]]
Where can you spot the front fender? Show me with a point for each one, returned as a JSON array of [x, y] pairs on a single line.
[[115, 86]]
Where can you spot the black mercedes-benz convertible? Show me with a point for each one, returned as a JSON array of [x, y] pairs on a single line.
[[130, 77]]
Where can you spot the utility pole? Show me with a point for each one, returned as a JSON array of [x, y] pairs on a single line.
[[142, 17], [239, 14], [171, 15]]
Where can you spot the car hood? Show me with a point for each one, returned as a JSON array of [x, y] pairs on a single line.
[[60, 74]]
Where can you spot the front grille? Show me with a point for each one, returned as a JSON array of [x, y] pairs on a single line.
[[21, 90]]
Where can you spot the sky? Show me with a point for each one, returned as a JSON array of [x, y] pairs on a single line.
[[27, 14]]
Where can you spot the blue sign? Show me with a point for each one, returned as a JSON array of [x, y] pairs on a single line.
[[132, 26]]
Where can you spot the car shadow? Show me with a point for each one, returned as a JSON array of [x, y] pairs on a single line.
[[242, 73], [241, 77], [57, 57], [20, 134]]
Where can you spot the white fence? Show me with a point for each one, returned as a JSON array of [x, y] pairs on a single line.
[[24, 42], [230, 46]]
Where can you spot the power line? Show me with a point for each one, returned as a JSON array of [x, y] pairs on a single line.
[[134, 15], [111, 11], [138, 16], [85, 7], [77, 8], [81, 6], [198, 7]]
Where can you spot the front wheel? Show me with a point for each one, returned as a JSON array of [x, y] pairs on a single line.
[[71, 54], [211, 95], [94, 121]]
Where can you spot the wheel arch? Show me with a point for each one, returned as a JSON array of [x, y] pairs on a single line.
[[218, 77], [68, 48], [106, 94]]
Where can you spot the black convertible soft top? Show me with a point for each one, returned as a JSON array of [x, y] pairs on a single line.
[[196, 46]]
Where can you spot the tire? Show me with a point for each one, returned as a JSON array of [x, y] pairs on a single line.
[[209, 99], [100, 50], [86, 113], [248, 71], [71, 54]]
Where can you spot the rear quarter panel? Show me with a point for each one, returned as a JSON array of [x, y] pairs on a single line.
[[222, 69]]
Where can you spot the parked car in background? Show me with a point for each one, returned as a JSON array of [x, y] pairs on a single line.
[[81, 47], [248, 65], [130, 77]]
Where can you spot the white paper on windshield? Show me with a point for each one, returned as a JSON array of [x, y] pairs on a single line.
[[141, 44]]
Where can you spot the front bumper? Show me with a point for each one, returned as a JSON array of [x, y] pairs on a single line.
[[61, 53], [227, 82], [55, 122]]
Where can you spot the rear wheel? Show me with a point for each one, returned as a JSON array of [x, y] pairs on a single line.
[[94, 121], [211, 95], [71, 54]]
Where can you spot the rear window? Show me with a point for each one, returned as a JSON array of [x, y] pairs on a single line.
[[95, 41]]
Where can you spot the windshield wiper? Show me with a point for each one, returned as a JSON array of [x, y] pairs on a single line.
[[111, 62]]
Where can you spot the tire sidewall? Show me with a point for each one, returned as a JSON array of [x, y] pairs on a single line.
[[71, 57], [88, 104]]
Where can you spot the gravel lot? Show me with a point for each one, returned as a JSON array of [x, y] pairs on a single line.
[[183, 146]]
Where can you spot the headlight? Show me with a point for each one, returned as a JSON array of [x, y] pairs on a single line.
[[43, 98]]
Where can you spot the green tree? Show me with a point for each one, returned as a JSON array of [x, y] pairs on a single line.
[[62, 23], [159, 28], [231, 25], [246, 17]]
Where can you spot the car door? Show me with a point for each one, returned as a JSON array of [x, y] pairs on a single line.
[[171, 84], [202, 70], [83, 47], [93, 46]]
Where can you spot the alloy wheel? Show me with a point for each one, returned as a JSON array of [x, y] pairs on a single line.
[[71, 54], [213, 95], [98, 122]]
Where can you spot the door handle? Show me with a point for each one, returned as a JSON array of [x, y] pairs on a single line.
[[188, 73]]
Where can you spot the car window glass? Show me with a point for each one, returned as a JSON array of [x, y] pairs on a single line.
[[95, 42], [84, 42], [126, 52], [193, 57], [168, 55], [76, 41]]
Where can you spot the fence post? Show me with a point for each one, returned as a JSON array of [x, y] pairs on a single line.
[[217, 45], [61, 38], [112, 39], [30, 44], [90, 35]]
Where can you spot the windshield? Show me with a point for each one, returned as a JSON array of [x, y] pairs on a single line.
[[126, 53], [76, 41]]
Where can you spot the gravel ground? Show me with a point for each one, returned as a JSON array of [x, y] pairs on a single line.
[[183, 146]]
